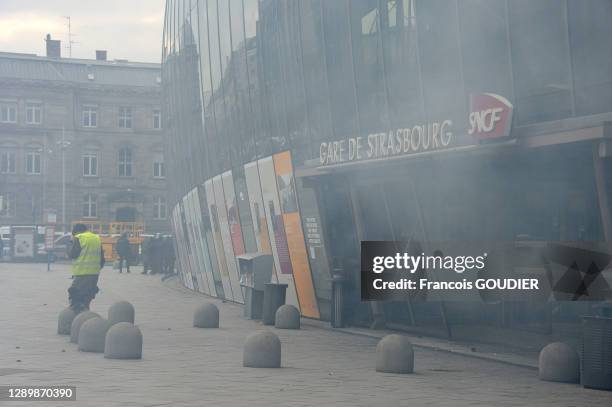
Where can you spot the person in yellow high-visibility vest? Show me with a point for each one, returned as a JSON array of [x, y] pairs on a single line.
[[88, 256]]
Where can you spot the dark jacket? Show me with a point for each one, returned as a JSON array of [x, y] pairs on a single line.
[[168, 249], [123, 247]]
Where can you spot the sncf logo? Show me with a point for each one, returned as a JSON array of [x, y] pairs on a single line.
[[490, 116]]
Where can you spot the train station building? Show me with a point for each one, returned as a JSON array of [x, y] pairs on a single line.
[[300, 128]]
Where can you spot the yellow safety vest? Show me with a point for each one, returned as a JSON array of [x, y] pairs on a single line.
[[88, 262]]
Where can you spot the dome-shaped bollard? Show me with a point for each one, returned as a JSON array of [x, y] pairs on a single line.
[[64, 321], [559, 362], [206, 316], [77, 322], [123, 341], [262, 349], [394, 354], [121, 311], [287, 317], [92, 335]]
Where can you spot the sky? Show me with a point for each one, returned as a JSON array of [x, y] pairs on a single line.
[[127, 29]]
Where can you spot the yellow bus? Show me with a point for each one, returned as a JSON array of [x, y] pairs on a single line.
[[110, 232]]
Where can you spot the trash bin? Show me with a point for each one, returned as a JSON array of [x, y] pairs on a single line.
[[273, 298], [597, 353], [338, 283], [255, 272]]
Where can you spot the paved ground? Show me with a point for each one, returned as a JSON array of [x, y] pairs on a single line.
[[184, 366]]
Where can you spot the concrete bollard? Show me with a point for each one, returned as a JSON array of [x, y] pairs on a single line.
[[394, 354], [77, 322], [64, 321], [262, 349], [287, 317], [206, 316], [92, 335], [121, 311], [123, 341], [559, 362]]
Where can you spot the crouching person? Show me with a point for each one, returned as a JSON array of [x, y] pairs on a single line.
[[88, 260]]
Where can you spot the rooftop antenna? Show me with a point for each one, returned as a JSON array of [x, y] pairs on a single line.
[[70, 41]]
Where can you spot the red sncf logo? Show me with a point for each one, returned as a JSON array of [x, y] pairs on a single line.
[[490, 116]]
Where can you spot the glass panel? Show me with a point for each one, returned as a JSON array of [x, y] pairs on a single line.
[[242, 198], [251, 21], [273, 76], [485, 47], [589, 25], [369, 73], [540, 59], [400, 51], [340, 69], [439, 55], [315, 75]]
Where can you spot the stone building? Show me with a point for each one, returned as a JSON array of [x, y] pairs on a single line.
[[81, 137]]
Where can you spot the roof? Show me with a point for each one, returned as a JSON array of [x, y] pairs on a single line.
[[84, 71]]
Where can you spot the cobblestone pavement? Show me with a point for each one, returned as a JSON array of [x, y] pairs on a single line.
[[184, 366]]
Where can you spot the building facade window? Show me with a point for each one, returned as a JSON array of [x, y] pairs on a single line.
[[90, 116], [7, 162], [159, 208], [90, 206], [125, 117], [33, 113], [159, 168], [33, 161], [90, 165], [125, 162], [157, 124], [7, 209], [8, 113]]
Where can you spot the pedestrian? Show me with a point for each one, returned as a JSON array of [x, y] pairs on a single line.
[[88, 256], [146, 255], [157, 256], [168, 256], [1, 248], [124, 252]]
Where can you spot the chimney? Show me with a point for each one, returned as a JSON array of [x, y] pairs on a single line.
[[53, 47], [100, 55]]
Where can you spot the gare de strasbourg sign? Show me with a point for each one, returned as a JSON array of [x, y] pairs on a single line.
[[490, 118]]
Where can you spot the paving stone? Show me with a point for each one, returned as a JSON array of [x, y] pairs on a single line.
[[188, 367]]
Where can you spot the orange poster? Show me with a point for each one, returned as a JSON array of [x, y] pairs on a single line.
[[295, 236]]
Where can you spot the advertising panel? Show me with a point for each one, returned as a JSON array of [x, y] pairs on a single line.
[[226, 238], [295, 235], [198, 256], [260, 224], [244, 211], [315, 244], [276, 227], [193, 253], [216, 237], [209, 241], [186, 270], [188, 236], [205, 266], [177, 238], [23, 242], [233, 215]]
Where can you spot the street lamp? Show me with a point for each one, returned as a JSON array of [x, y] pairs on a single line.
[[63, 144]]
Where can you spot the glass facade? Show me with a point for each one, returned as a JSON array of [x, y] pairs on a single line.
[[245, 80]]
